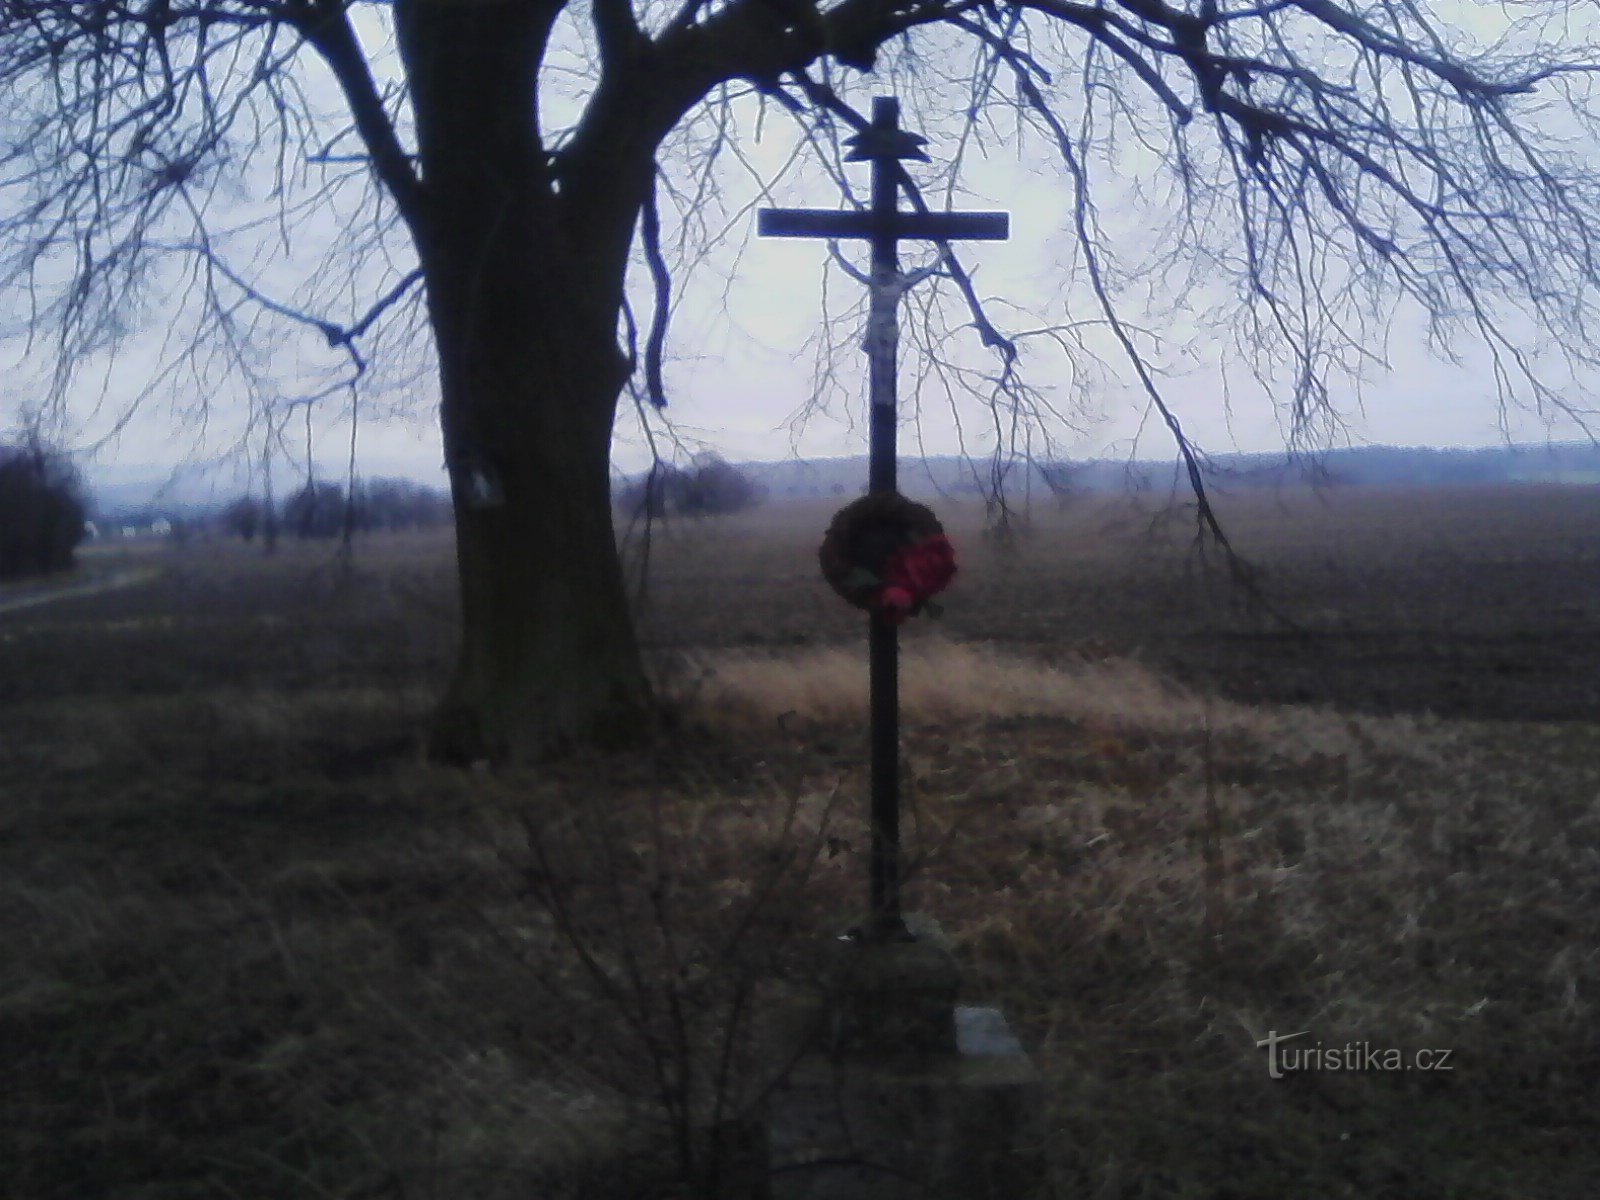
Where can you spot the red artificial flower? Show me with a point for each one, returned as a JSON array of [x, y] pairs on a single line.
[[913, 575], [894, 604], [924, 569]]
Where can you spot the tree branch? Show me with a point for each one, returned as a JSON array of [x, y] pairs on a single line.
[[650, 235], [617, 31], [326, 25]]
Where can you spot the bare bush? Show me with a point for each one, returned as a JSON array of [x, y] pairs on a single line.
[[42, 511]]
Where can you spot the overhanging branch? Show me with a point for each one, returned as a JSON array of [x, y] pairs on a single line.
[[327, 27], [661, 279]]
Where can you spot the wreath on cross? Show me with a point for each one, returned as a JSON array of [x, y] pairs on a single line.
[[888, 555]]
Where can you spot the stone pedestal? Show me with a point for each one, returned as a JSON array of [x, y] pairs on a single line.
[[902, 1094], [889, 998]]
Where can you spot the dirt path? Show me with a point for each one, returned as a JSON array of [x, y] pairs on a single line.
[[124, 577]]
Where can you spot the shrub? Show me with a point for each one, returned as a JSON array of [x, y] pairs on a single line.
[[42, 511]]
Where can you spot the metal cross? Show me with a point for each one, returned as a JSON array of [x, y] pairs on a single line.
[[883, 144]]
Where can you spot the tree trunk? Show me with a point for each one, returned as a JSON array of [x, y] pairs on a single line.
[[530, 380], [548, 656], [524, 301]]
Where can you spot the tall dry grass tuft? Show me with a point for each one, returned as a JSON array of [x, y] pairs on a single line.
[[940, 680], [945, 681]]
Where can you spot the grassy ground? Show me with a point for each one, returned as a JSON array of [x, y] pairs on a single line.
[[254, 947]]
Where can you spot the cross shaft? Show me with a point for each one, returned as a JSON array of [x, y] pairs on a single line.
[[883, 144]]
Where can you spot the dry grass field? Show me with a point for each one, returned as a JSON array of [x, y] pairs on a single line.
[[253, 946]]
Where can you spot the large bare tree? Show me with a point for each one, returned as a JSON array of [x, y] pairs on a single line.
[[1318, 163]]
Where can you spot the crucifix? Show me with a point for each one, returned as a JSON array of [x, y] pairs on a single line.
[[883, 144]]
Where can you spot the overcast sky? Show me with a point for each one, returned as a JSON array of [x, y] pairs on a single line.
[[742, 353]]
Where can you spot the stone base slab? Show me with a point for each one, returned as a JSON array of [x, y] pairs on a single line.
[[958, 1126]]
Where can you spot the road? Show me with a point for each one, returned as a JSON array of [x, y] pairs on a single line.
[[44, 594]]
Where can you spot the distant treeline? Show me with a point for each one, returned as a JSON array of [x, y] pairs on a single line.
[[1375, 466], [323, 510], [1363, 466], [1419, 466]]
